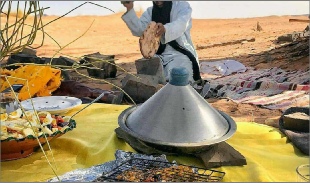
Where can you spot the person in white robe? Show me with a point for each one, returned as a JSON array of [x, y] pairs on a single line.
[[174, 23]]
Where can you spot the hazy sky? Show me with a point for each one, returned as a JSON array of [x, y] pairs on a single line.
[[201, 9]]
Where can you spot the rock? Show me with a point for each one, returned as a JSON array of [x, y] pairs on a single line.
[[140, 89], [26, 58], [69, 62], [137, 145], [59, 62], [274, 122], [258, 27], [55, 61], [147, 66], [151, 67], [65, 75], [285, 38], [251, 39], [104, 62], [222, 154], [268, 58], [295, 36], [22, 58], [29, 51], [150, 72]]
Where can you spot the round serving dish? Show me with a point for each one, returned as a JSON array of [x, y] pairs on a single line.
[[297, 121], [52, 104], [13, 148]]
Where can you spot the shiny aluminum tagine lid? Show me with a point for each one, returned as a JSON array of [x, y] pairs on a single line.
[[177, 116]]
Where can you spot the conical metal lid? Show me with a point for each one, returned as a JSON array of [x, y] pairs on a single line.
[[177, 115]]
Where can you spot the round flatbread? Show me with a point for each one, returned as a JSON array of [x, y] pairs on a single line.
[[149, 43]]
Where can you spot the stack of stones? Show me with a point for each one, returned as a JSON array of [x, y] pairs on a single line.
[[148, 80]]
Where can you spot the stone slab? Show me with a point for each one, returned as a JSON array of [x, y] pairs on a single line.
[[221, 155], [142, 88]]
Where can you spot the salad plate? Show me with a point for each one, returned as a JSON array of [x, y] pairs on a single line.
[[52, 104]]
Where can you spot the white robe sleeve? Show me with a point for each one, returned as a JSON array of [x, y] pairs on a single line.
[[136, 25], [176, 28]]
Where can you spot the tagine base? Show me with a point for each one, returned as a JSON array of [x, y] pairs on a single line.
[[221, 154]]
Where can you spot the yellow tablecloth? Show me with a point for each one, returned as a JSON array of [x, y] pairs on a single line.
[[270, 157]]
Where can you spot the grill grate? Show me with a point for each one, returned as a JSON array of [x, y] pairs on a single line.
[[144, 170]]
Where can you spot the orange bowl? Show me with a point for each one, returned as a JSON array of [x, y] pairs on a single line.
[[12, 148]]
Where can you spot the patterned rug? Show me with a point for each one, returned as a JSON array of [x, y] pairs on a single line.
[[271, 88]]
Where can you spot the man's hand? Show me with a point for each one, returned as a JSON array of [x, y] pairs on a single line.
[[128, 5], [160, 29]]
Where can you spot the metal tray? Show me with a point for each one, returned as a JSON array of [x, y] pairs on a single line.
[[145, 170]]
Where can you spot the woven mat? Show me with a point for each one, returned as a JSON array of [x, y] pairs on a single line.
[[270, 88]]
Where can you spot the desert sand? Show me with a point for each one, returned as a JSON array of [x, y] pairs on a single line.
[[110, 36]]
